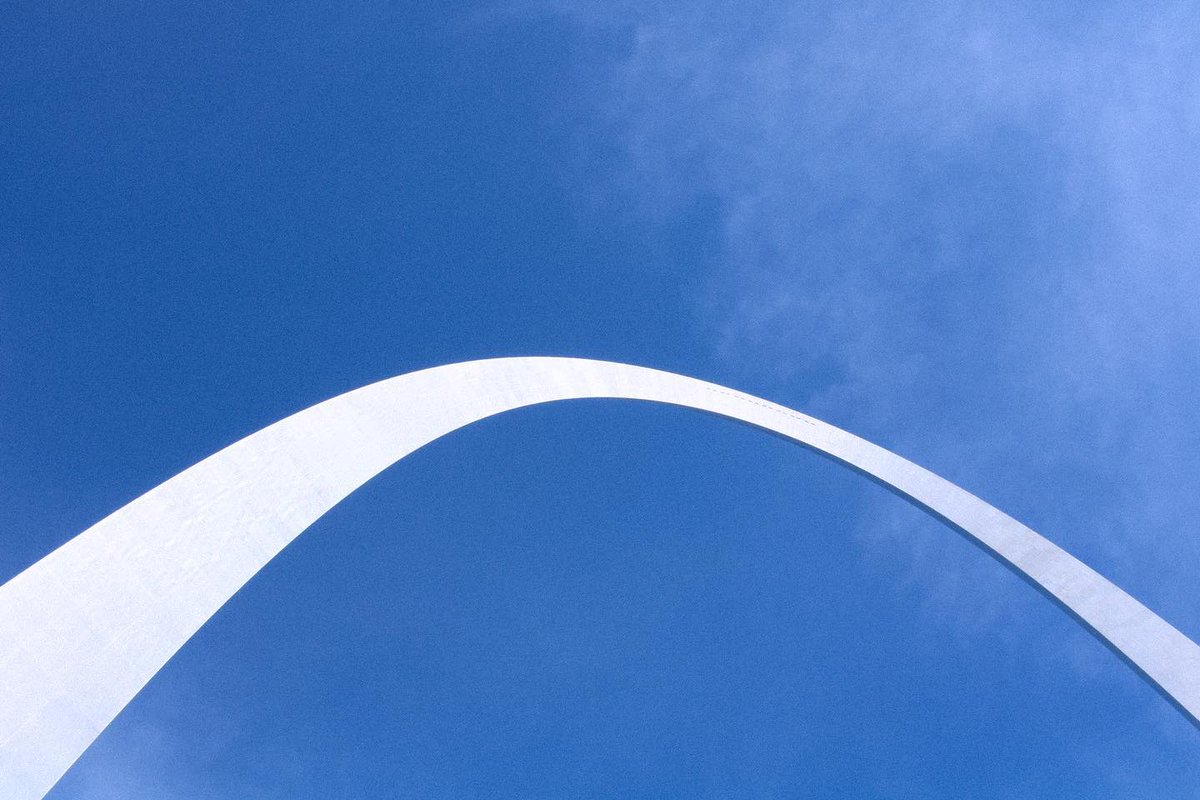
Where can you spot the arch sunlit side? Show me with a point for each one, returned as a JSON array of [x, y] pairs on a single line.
[[85, 628]]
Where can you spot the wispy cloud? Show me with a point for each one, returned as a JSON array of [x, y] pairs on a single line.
[[173, 744], [971, 233]]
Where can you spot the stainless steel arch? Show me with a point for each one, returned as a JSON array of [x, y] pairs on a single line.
[[85, 628]]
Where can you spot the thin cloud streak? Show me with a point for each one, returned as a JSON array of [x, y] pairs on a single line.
[[970, 233]]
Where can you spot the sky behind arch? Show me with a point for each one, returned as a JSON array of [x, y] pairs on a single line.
[[967, 234]]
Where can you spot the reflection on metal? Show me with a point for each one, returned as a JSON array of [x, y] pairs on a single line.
[[84, 629]]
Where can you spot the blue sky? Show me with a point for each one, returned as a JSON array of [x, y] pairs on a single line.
[[968, 234]]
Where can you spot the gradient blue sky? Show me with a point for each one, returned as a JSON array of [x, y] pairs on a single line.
[[968, 234]]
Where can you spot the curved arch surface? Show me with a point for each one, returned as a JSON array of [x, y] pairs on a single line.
[[85, 628]]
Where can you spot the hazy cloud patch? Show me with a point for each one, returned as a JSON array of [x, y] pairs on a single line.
[[970, 233]]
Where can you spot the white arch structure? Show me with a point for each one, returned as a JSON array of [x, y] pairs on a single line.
[[85, 628]]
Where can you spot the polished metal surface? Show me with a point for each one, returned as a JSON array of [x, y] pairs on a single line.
[[85, 628]]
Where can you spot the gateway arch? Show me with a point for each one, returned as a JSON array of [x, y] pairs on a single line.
[[85, 628]]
